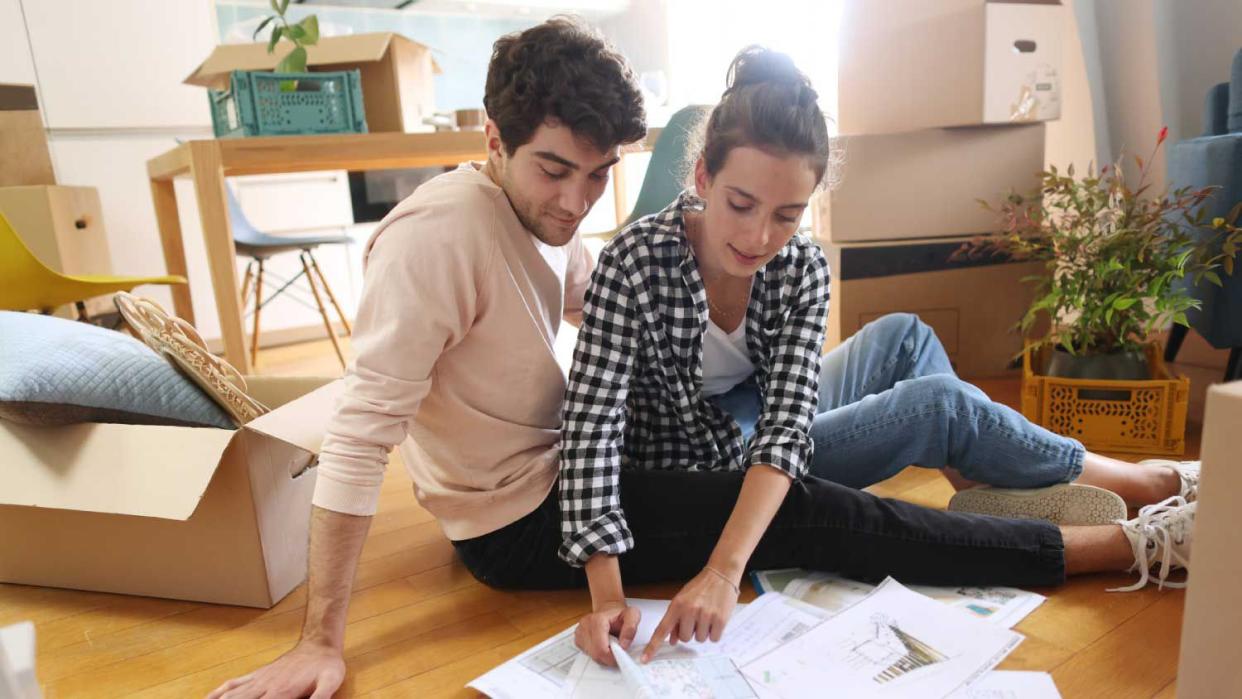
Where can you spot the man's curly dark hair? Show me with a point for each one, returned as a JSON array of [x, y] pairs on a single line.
[[564, 71]]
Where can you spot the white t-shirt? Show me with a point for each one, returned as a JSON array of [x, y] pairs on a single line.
[[726, 362], [557, 257]]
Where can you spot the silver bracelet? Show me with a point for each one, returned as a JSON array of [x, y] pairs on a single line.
[[736, 590]]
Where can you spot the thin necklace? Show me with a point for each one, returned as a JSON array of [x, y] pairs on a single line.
[[693, 228]]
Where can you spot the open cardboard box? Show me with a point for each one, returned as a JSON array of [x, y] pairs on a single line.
[[1209, 666], [398, 75], [189, 513]]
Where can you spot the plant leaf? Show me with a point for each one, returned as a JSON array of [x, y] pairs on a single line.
[[262, 24], [284, 5], [296, 33], [271, 42], [276, 7], [293, 62], [1122, 304], [310, 27]]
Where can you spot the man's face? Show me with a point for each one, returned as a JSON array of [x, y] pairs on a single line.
[[552, 181]]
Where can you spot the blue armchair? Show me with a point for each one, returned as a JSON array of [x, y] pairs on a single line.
[[1215, 158]]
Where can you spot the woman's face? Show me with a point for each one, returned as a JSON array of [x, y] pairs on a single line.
[[753, 207]]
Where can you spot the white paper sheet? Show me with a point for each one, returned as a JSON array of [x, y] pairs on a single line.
[[543, 671], [677, 674], [540, 673], [895, 643], [1000, 684], [1003, 606]]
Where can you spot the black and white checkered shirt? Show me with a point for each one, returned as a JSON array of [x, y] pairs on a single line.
[[635, 397]]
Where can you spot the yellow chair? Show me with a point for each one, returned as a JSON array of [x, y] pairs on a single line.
[[27, 284]]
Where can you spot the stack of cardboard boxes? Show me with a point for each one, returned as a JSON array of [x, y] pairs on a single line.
[[941, 105]]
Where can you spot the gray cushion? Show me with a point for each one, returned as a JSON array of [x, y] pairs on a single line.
[[55, 371]]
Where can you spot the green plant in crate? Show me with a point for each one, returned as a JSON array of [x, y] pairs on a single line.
[[301, 35], [1116, 256]]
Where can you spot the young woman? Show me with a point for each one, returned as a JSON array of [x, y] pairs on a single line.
[[692, 441]]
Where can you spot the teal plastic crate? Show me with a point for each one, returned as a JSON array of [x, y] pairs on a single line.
[[256, 105]]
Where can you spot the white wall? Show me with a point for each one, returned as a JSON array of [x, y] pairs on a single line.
[[120, 63], [16, 65], [1156, 61], [1131, 82], [1196, 42], [1071, 139]]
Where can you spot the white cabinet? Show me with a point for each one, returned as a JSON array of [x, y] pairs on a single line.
[[295, 202], [120, 63]]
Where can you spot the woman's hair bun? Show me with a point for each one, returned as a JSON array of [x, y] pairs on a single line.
[[756, 65]]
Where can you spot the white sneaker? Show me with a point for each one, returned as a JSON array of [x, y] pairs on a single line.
[[1187, 470], [1160, 534], [1065, 503]]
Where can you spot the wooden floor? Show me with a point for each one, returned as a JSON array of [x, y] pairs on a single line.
[[419, 625]]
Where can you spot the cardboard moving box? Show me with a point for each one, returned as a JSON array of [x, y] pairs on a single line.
[[971, 305], [1212, 617], [398, 75], [23, 142], [925, 184], [199, 514], [918, 64]]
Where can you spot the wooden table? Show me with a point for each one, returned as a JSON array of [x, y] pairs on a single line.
[[208, 162]]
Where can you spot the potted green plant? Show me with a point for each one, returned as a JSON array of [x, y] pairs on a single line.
[[301, 35], [1117, 258]]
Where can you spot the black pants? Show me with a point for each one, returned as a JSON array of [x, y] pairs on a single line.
[[676, 518]]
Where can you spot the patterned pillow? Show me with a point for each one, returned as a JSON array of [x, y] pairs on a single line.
[[55, 372]]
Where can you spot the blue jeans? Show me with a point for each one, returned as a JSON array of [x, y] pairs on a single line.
[[888, 398]]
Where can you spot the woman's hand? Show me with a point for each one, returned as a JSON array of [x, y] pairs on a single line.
[[595, 630], [700, 611]]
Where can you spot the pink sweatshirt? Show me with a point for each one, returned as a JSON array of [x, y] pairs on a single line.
[[454, 361]]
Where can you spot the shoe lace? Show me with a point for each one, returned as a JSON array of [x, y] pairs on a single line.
[[1158, 528]]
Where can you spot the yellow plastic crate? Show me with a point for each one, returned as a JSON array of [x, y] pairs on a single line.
[[1144, 417]]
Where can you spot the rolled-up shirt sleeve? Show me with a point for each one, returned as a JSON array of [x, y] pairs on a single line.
[[791, 394], [594, 418], [419, 298]]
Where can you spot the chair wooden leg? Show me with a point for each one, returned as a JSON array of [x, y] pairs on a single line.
[[331, 296], [1177, 334], [327, 322], [81, 307], [1233, 371], [245, 290], [258, 307]]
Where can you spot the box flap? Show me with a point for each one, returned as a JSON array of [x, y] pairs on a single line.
[[356, 48], [275, 391], [141, 470], [302, 421]]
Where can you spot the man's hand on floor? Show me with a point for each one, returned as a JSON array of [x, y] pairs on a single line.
[[309, 670]]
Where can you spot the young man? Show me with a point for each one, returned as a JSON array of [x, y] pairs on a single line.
[[467, 282]]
